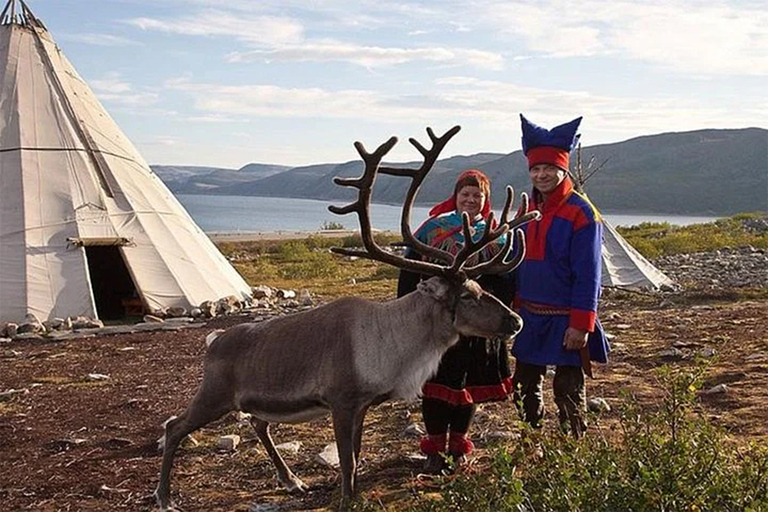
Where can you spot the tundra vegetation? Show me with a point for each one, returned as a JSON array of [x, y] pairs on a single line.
[[309, 264], [669, 456]]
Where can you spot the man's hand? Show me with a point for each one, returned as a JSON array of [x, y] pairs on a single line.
[[575, 339]]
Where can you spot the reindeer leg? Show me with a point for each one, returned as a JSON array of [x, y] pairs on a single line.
[[284, 475], [345, 426], [358, 438], [199, 413]]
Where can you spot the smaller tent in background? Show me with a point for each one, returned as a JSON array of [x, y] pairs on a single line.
[[86, 228], [623, 266]]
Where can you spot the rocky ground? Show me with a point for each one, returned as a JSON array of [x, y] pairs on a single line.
[[79, 418]]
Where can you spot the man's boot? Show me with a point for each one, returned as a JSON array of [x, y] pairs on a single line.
[[528, 382], [571, 399]]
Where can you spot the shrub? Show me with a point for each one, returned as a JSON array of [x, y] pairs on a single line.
[[660, 239], [332, 226], [665, 458]]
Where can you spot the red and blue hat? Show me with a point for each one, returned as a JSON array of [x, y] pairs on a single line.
[[542, 146]]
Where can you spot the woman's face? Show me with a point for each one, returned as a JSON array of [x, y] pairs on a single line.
[[470, 199]]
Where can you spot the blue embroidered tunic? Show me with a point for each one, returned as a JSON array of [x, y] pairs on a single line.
[[559, 280]]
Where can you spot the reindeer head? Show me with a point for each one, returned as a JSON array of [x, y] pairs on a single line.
[[473, 311]]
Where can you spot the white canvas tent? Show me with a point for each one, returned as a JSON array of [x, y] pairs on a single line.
[[624, 267], [85, 225]]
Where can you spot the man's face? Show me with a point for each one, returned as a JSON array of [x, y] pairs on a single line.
[[546, 177]]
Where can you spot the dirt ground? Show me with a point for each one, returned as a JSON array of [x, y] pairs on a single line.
[[74, 443]]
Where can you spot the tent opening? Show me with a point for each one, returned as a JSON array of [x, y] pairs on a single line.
[[113, 289]]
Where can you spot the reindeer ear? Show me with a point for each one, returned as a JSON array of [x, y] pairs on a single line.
[[435, 287]]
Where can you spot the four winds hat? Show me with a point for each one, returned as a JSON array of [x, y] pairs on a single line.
[[542, 146]]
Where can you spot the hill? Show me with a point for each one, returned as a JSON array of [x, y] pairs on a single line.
[[203, 180], [702, 172]]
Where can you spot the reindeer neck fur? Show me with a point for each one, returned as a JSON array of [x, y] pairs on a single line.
[[417, 329]]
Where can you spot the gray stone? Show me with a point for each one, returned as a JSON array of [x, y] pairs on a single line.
[[10, 393], [707, 352], [208, 308], [69, 335], [414, 430], [598, 405], [228, 443], [227, 305], [329, 456], [28, 336], [286, 294], [262, 292], [305, 298], [180, 320], [671, 353], [31, 328], [501, 435], [83, 322], [11, 330], [716, 390], [291, 447], [176, 311]]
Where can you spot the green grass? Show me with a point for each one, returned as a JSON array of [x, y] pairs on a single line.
[[309, 264], [662, 239]]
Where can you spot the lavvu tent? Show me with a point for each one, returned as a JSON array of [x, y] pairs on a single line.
[[85, 226], [623, 266]]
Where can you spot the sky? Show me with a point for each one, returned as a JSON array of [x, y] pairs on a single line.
[[225, 83]]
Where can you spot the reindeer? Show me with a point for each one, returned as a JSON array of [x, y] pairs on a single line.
[[343, 357]]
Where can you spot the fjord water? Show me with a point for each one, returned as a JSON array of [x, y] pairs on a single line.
[[232, 214]]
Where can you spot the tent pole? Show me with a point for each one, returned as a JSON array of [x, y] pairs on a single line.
[[5, 11]]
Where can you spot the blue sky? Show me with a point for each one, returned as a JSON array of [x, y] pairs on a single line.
[[228, 82]]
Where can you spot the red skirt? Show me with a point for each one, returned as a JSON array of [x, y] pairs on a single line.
[[475, 370]]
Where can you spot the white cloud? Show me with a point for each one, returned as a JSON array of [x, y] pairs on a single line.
[[100, 39], [284, 39], [371, 56], [262, 30], [166, 141], [690, 36], [456, 98], [112, 88]]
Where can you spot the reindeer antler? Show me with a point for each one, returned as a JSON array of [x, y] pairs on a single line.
[[453, 265]]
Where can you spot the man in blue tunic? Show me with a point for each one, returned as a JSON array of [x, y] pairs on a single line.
[[558, 283]]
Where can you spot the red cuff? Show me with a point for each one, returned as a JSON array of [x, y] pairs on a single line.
[[582, 320]]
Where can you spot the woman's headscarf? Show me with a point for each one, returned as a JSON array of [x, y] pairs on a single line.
[[468, 178]]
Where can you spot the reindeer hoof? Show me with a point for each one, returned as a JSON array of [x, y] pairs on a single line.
[[294, 485], [168, 507]]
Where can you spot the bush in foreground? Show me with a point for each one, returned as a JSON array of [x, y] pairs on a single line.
[[667, 459]]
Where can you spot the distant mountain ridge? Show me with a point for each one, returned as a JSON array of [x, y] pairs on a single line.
[[702, 172]]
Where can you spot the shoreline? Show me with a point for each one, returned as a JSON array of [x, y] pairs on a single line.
[[256, 236]]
